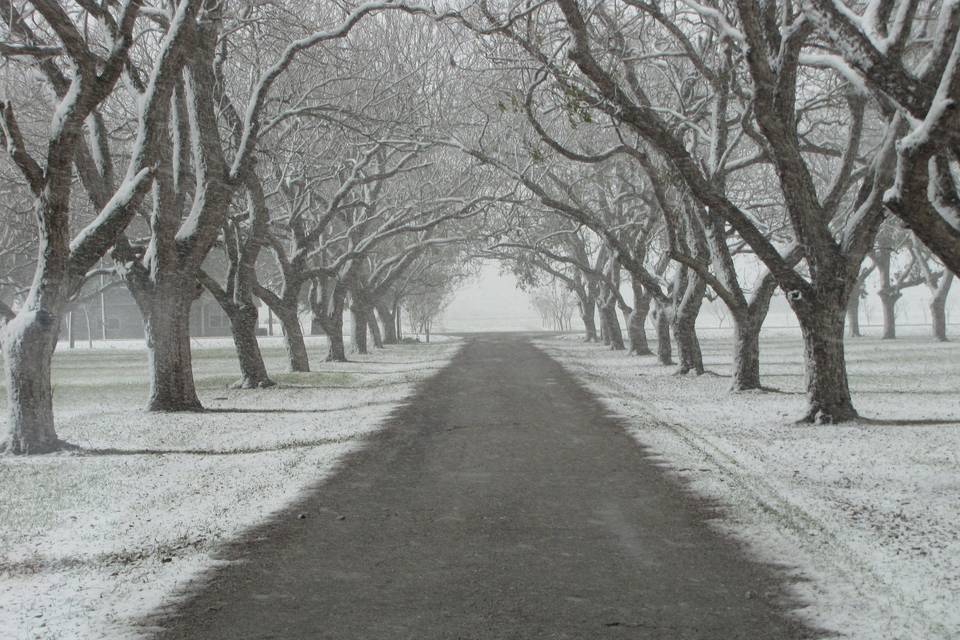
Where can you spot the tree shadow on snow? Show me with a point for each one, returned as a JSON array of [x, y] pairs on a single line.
[[908, 422]]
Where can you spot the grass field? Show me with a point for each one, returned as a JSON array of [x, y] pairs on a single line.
[[92, 540]]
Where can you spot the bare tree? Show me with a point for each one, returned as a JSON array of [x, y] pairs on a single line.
[[29, 335]]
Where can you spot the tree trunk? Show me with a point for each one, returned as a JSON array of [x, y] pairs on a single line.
[[888, 302], [746, 355], [253, 370], [29, 341], [636, 324], [611, 323], [853, 316], [685, 323], [661, 317], [938, 318], [359, 330], [828, 392], [327, 303], [588, 314], [688, 345], [389, 324], [167, 327], [397, 314], [332, 326], [938, 306], [337, 352], [297, 357], [374, 330]]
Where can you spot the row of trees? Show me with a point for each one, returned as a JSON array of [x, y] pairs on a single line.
[[316, 155], [736, 134], [239, 147]]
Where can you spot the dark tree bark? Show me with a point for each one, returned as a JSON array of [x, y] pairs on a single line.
[[748, 322], [613, 335], [888, 303], [611, 323], [253, 370], [242, 244], [938, 308], [689, 290], [296, 347], [166, 314], [360, 322], [828, 393], [327, 301], [588, 314], [638, 319], [287, 310], [853, 307], [336, 352], [661, 319], [853, 317], [746, 355], [888, 293], [374, 329]]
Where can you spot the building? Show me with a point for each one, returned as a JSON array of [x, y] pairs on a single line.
[[113, 314]]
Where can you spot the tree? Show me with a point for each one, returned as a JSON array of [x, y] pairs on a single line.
[[831, 253], [914, 73], [29, 335]]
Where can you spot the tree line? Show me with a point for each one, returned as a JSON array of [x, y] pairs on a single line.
[[340, 156]]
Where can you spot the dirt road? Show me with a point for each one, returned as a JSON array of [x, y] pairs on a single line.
[[500, 503]]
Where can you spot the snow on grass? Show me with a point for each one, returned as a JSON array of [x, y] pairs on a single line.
[[866, 514], [92, 540]]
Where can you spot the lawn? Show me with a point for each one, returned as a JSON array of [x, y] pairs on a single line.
[[94, 539], [866, 514]]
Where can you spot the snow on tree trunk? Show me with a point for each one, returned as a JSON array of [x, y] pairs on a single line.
[[28, 344], [167, 328], [828, 392], [746, 355], [253, 370]]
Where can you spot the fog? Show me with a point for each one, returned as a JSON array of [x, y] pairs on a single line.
[[490, 302]]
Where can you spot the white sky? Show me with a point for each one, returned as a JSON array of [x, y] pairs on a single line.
[[491, 302]]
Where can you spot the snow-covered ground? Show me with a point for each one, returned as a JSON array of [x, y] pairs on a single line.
[[90, 541], [866, 514]]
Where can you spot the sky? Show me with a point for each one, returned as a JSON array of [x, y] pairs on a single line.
[[490, 302]]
